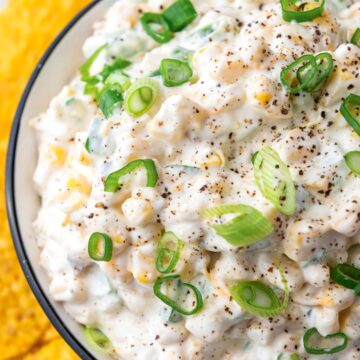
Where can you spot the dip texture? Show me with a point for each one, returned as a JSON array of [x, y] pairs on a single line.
[[217, 123]]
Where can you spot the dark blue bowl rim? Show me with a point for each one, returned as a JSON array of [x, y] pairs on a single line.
[[11, 206]]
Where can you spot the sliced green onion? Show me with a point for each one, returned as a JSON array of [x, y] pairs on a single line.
[[291, 11], [315, 350], [119, 78], [175, 72], [346, 275], [100, 247], [113, 181], [156, 27], [92, 90], [253, 157], [274, 180], [85, 68], [110, 98], [289, 76], [98, 341], [249, 226], [325, 64], [118, 64], [180, 14], [140, 97], [198, 304], [356, 38], [168, 253], [258, 299], [350, 110], [352, 160], [87, 145]]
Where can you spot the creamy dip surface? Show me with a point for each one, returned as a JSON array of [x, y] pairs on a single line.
[[202, 136]]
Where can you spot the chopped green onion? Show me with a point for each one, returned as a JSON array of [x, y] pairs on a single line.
[[156, 27], [109, 98], [113, 181], [249, 226], [352, 160], [258, 299], [167, 256], [290, 75], [325, 64], [352, 114], [356, 38], [253, 157], [198, 303], [98, 341], [303, 12], [118, 64], [175, 72], [140, 97], [100, 247], [92, 90], [180, 14], [274, 180], [315, 350], [346, 275], [87, 145], [85, 68], [119, 78]]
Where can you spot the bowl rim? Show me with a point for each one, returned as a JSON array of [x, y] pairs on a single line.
[[24, 261]]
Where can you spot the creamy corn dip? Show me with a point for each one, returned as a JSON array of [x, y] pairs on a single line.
[[211, 128]]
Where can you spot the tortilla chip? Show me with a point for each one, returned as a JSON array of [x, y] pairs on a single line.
[[27, 27]]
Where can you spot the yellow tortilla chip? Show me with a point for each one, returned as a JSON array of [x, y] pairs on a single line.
[[27, 27]]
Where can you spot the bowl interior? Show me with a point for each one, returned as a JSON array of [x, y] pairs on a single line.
[[54, 71]]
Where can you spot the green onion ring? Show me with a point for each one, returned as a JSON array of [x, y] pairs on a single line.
[[321, 351], [291, 12], [248, 227], [325, 64], [163, 251], [180, 14], [353, 121], [140, 97], [352, 160], [173, 304], [98, 341], [100, 247], [274, 180], [113, 181], [162, 36], [307, 61], [175, 72], [244, 293], [346, 275]]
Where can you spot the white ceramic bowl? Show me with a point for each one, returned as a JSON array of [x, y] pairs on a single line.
[[58, 65]]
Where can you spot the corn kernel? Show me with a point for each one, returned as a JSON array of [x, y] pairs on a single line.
[[57, 155], [346, 75], [216, 159], [143, 278], [263, 97], [311, 6], [79, 184], [326, 301]]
